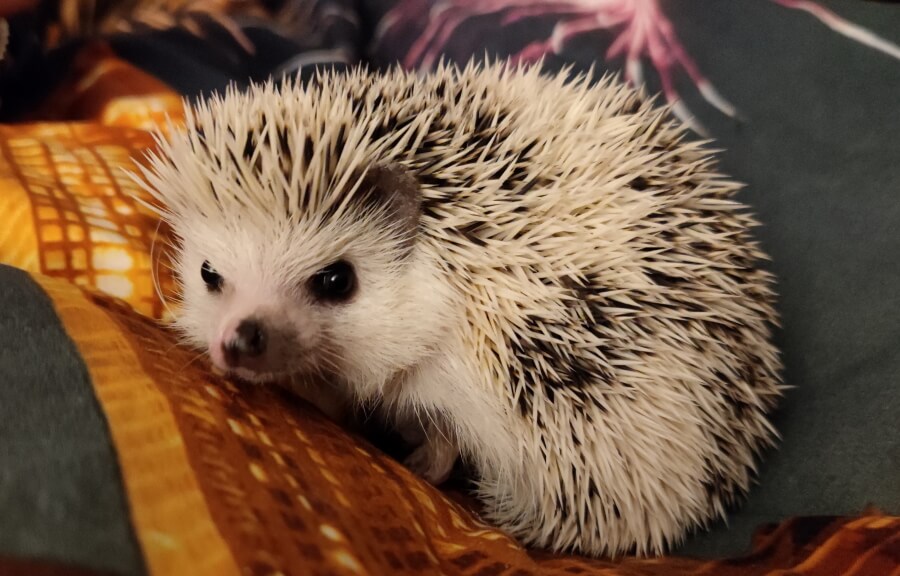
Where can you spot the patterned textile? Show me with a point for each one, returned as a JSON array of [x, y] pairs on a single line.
[[225, 479], [66, 212], [639, 32]]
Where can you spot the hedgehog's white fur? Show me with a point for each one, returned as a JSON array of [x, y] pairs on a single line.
[[580, 312]]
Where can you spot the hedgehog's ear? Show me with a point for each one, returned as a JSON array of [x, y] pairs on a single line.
[[392, 187]]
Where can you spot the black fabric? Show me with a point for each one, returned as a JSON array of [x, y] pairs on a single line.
[[27, 72], [191, 65], [198, 64], [61, 495]]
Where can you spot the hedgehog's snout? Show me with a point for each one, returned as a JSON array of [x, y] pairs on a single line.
[[246, 346]]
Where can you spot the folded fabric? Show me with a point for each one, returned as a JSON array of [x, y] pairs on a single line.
[[225, 479]]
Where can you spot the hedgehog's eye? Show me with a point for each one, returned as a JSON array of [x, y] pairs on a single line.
[[211, 277], [334, 282]]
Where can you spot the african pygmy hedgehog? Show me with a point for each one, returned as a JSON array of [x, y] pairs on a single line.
[[539, 268]]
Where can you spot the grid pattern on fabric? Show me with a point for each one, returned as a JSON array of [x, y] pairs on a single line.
[[90, 231]]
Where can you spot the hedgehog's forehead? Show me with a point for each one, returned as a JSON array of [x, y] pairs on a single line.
[[278, 251], [265, 239]]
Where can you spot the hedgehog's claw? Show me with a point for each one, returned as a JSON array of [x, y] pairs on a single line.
[[433, 460]]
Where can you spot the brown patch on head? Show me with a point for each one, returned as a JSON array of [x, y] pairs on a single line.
[[394, 188]]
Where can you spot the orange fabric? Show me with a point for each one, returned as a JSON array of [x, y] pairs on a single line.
[[103, 88], [169, 512], [67, 213], [228, 479], [65, 195]]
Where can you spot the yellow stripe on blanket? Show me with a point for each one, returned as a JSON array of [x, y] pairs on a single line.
[[18, 238], [170, 515]]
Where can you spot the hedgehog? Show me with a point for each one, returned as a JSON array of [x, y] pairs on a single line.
[[541, 272]]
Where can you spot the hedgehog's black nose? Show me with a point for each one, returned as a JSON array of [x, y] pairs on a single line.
[[249, 342]]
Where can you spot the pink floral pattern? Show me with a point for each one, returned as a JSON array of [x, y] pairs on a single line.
[[643, 33]]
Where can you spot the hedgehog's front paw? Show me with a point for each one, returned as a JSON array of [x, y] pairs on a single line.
[[433, 460]]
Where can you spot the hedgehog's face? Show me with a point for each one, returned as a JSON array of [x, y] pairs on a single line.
[[261, 324], [348, 298]]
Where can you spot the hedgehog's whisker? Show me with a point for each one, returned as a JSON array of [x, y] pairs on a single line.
[[331, 359], [192, 360], [436, 426], [154, 275]]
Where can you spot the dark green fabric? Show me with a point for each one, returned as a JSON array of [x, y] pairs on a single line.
[[821, 156], [61, 495]]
